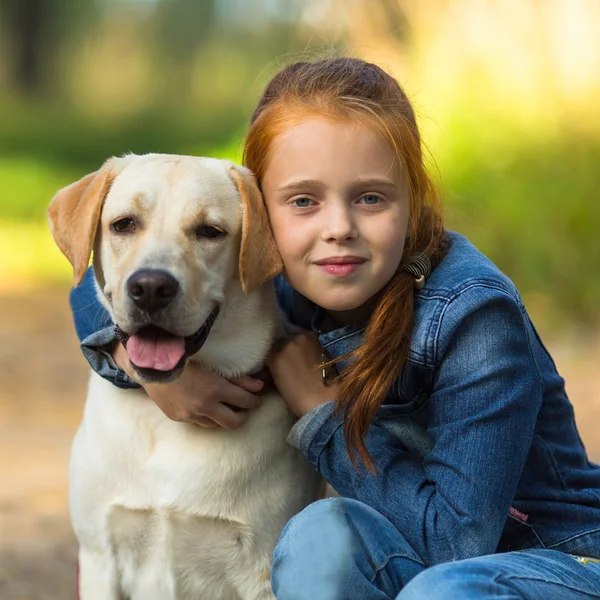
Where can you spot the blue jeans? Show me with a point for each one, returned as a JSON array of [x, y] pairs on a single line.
[[341, 549]]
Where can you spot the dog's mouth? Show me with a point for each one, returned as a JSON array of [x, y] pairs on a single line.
[[156, 353]]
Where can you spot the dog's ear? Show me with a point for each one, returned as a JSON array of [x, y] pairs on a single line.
[[259, 258], [74, 213]]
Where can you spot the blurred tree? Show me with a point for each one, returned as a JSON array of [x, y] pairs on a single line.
[[182, 29], [24, 22], [35, 31]]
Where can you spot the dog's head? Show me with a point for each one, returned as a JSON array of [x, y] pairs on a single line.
[[170, 235]]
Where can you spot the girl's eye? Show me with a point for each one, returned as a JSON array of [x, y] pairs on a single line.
[[371, 199], [126, 225], [209, 231], [302, 202]]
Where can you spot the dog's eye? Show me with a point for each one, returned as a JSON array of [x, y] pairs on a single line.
[[208, 231], [124, 225]]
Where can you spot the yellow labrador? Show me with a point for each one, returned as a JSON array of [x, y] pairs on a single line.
[[183, 255]]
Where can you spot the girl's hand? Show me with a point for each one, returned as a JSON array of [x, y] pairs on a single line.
[[199, 396], [295, 365]]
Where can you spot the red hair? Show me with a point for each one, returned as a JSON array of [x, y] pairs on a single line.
[[349, 88]]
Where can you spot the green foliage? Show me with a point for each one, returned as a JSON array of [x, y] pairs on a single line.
[[530, 205], [28, 184], [54, 135]]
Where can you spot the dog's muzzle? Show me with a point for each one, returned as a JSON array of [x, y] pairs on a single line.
[[153, 337]]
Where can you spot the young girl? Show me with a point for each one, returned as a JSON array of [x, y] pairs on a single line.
[[448, 434]]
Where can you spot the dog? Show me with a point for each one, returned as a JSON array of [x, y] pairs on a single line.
[[183, 255]]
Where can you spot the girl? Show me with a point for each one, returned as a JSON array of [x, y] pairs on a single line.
[[448, 435]]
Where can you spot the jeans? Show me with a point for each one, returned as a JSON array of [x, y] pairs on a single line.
[[341, 549]]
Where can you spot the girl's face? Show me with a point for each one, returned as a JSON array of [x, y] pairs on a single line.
[[339, 210]]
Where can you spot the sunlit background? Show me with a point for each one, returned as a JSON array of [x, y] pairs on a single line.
[[507, 94]]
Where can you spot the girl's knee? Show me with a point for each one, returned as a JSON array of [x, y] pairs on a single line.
[[321, 524], [313, 553], [333, 523], [341, 548]]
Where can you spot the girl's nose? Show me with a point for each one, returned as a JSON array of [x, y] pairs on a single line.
[[339, 223]]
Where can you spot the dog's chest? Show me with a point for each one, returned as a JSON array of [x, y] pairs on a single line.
[[149, 461], [188, 513], [186, 555]]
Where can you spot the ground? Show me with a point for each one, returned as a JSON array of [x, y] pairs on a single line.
[[42, 387]]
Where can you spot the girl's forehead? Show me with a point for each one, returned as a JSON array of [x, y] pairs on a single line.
[[320, 144], [310, 124], [316, 133]]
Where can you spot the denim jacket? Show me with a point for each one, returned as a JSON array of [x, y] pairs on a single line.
[[476, 447]]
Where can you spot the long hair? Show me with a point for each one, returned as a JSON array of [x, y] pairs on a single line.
[[349, 88]]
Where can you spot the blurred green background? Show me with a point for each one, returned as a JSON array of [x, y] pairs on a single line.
[[507, 95]]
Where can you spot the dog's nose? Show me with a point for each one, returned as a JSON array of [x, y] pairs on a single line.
[[152, 289]]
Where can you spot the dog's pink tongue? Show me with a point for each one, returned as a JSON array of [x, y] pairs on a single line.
[[161, 353]]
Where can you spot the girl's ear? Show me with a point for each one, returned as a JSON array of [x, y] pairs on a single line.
[[74, 213], [259, 257]]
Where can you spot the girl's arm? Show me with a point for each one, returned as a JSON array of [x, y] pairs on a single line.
[[453, 502], [198, 396]]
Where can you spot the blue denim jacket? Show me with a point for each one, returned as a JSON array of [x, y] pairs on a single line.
[[476, 446]]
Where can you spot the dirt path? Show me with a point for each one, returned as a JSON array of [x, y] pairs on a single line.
[[42, 386]]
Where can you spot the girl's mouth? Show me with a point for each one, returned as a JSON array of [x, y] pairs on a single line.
[[341, 269], [340, 266]]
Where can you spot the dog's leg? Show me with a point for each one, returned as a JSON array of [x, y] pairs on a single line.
[[264, 593], [258, 592], [256, 586], [98, 576]]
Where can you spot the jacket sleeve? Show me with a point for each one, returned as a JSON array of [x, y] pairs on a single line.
[[95, 331], [284, 292], [452, 503]]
